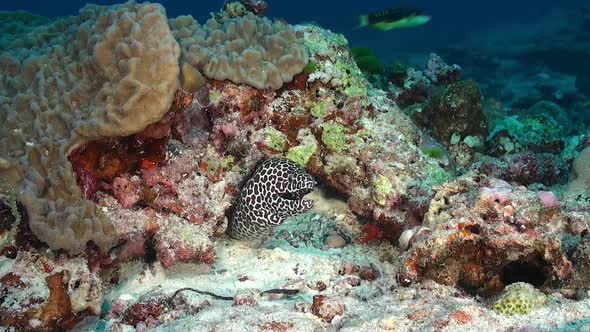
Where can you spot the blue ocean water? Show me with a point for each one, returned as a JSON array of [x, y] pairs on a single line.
[[452, 20]]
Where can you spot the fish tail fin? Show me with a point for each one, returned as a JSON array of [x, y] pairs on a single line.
[[363, 21]]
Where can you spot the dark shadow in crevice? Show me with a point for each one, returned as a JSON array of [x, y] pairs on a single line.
[[535, 272]]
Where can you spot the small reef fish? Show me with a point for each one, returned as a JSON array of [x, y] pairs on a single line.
[[394, 18], [274, 192]]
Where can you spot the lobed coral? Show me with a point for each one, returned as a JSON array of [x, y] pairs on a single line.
[[13, 25], [109, 72], [243, 49]]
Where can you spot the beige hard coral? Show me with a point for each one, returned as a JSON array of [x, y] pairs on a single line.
[[580, 178], [246, 49], [111, 71], [13, 24]]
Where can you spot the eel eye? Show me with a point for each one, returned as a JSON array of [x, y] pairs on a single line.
[[289, 195]]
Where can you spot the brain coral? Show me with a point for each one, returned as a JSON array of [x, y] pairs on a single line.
[[519, 299], [110, 71], [247, 49]]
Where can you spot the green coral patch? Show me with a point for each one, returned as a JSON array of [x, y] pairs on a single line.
[[437, 175], [275, 139], [320, 109], [519, 299], [310, 67], [360, 51], [370, 64], [333, 136], [434, 152], [301, 154]]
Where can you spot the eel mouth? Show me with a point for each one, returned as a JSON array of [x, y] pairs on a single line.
[[296, 195]]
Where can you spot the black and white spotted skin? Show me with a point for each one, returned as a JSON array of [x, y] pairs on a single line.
[[274, 192]]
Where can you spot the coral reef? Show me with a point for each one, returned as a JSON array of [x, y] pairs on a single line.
[[13, 25], [144, 136], [243, 48], [415, 85], [453, 109], [537, 133], [90, 81], [485, 233], [11, 217], [579, 278], [525, 168], [39, 292]]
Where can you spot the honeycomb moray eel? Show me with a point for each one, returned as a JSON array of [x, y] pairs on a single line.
[[274, 192]]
